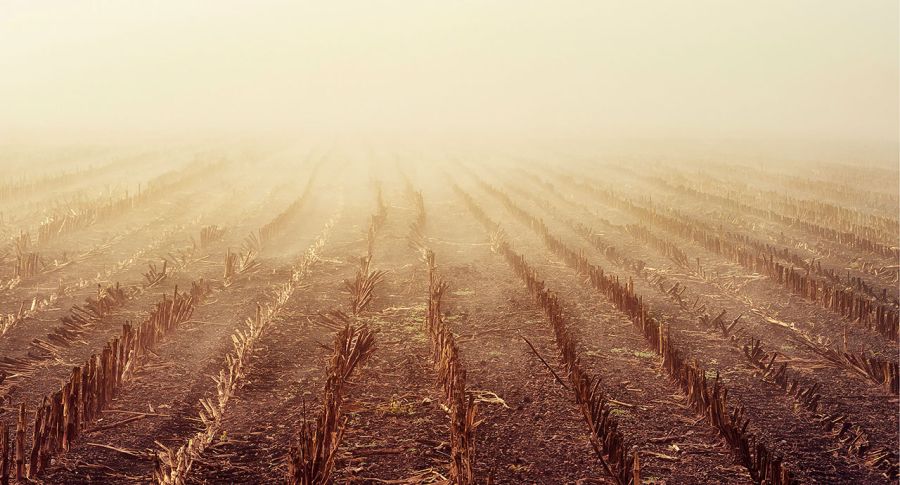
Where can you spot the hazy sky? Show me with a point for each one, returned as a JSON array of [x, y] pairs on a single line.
[[817, 69]]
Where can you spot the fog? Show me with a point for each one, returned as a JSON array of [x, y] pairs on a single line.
[[449, 242], [807, 72]]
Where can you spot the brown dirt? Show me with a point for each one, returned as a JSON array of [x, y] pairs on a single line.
[[530, 429]]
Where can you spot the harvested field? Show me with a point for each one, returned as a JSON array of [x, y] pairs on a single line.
[[369, 322], [414, 242]]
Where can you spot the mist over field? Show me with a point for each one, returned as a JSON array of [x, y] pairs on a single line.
[[804, 71], [451, 243]]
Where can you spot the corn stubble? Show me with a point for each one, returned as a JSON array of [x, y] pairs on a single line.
[[362, 288], [452, 377], [311, 459], [707, 400]]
